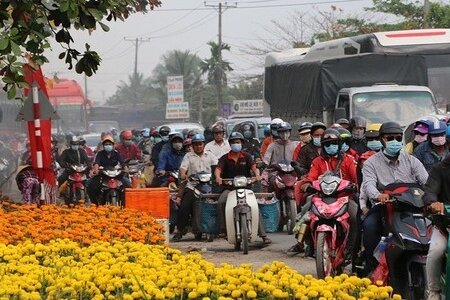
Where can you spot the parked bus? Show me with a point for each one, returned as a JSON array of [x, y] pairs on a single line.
[[432, 44]]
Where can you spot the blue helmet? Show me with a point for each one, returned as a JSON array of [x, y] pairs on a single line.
[[437, 127], [448, 132], [284, 126], [145, 132], [198, 138]]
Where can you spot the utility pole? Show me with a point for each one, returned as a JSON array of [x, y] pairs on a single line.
[[221, 8], [426, 12], [137, 42]]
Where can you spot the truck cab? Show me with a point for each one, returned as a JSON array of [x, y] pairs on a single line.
[[386, 102]]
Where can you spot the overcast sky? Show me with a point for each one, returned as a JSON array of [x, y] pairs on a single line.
[[170, 27]]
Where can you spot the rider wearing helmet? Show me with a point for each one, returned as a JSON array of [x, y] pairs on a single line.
[[73, 155], [251, 144], [344, 123], [313, 149], [304, 134], [274, 135], [90, 153], [235, 163], [282, 148], [145, 144], [193, 162], [357, 128], [170, 160], [420, 132], [391, 165], [219, 146], [187, 145], [435, 148], [128, 149], [157, 148]]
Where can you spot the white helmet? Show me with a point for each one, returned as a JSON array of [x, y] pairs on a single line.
[[275, 122]]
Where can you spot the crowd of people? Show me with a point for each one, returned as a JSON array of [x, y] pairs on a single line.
[[371, 157]]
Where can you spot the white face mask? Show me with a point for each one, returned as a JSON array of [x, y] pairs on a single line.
[[177, 146], [420, 138]]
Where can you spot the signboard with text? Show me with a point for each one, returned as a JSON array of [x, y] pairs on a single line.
[[248, 106], [175, 89], [177, 110]]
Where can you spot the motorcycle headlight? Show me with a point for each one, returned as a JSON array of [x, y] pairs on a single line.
[[328, 188], [204, 177], [111, 173], [240, 181], [287, 168], [79, 169]]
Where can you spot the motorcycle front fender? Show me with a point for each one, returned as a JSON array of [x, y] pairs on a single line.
[[326, 228]]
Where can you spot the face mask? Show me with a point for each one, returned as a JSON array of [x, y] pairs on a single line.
[[156, 140], [316, 141], [236, 147], [285, 135], [177, 146], [358, 134], [275, 133], [374, 145], [138, 139], [127, 143], [305, 138], [331, 149], [108, 148], [344, 147], [420, 138], [247, 134], [393, 148], [438, 140], [75, 147], [164, 138]]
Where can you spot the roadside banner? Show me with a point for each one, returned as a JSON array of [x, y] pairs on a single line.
[[248, 106], [175, 92], [177, 110]]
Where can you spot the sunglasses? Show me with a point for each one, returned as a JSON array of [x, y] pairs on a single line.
[[398, 138], [327, 144], [373, 139]]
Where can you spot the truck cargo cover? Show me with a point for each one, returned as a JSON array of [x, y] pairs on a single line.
[[309, 87]]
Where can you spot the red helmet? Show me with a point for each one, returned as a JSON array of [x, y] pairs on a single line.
[[127, 134]]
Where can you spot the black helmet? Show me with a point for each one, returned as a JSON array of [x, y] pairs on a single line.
[[358, 121], [164, 130], [247, 127], [192, 132], [342, 121], [305, 127], [236, 136], [329, 135], [390, 128], [318, 125], [177, 135]]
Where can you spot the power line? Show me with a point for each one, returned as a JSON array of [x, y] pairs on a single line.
[[268, 6], [119, 54], [137, 42], [188, 28]]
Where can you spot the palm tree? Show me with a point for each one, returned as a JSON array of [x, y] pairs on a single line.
[[136, 90], [216, 69]]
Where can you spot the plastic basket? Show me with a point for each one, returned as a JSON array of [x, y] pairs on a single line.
[[152, 200], [270, 214], [209, 217]]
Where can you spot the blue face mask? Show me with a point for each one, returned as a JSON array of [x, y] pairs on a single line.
[[156, 140], [165, 138], [236, 147], [247, 134], [138, 138], [374, 145], [393, 148], [108, 148], [275, 133], [331, 149], [344, 147], [316, 141]]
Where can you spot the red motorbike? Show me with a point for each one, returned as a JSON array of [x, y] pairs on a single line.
[[112, 188], [283, 183], [329, 223], [76, 184]]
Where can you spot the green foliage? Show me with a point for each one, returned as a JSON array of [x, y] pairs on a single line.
[[136, 91], [213, 68], [26, 26]]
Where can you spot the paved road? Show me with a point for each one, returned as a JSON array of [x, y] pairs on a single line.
[[220, 251]]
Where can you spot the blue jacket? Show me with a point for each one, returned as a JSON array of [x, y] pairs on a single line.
[[427, 156], [170, 160]]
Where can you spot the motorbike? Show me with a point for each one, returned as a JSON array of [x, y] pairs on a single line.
[[76, 184], [283, 183], [408, 233], [112, 190], [329, 223], [205, 208], [136, 171], [242, 212], [173, 184]]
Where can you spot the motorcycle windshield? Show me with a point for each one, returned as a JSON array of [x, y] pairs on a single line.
[[408, 194]]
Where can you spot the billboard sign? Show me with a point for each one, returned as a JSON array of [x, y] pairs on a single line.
[[177, 110], [175, 92], [248, 106]]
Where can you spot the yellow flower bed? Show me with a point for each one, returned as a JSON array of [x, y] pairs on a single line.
[[62, 269]]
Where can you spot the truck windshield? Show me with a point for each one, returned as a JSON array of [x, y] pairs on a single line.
[[404, 107]]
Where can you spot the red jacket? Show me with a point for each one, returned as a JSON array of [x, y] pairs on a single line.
[[321, 164], [129, 153]]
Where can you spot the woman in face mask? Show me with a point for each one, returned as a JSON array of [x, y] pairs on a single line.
[[420, 132]]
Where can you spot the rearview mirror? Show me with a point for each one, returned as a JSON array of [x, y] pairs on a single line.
[[340, 113]]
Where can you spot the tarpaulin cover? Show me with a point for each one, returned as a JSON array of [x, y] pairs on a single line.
[[311, 87]]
